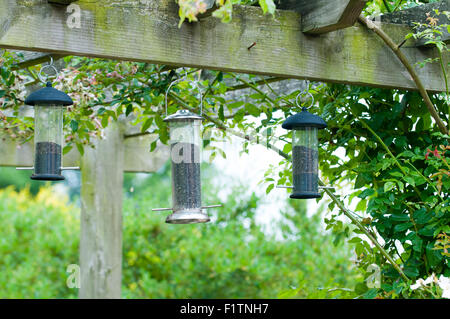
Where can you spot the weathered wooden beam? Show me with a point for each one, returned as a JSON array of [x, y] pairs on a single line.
[[148, 31], [419, 14], [137, 156], [322, 16], [34, 58]]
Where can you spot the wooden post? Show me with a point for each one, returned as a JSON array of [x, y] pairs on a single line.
[[101, 216]]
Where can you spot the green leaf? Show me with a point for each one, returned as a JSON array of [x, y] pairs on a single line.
[[388, 186], [360, 181], [224, 13], [355, 240], [221, 113], [163, 135], [2, 93], [371, 293], [396, 173], [220, 76], [361, 207], [421, 216], [129, 109], [153, 146], [402, 227], [74, 125], [80, 148], [239, 116], [67, 149], [411, 271], [427, 231], [434, 257], [366, 193], [159, 121], [410, 180], [287, 148], [235, 105], [270, 188], [148, 122], [268, 6], [400, 217], [105, 121], [252, 109]]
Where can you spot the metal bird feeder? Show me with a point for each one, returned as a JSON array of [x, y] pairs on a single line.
[[305, 152], [49, 105], [185, 150]]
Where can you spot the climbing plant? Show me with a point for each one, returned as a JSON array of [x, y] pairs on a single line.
[[222, 9]]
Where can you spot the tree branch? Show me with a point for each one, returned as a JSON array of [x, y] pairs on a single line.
[[395, 48]]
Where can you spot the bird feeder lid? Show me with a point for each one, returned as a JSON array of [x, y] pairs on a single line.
[[183, 115], [48, 96], [302, 120]]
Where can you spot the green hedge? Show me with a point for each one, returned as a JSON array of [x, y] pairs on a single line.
[[229, 258]]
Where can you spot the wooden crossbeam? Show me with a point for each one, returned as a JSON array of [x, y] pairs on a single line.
[[321, 16], [137, 155], [33, 58], [419, 14], [148, 31]]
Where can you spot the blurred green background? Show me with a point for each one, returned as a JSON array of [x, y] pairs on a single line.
[[234, 256]]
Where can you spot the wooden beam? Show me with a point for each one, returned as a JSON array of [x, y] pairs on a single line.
[[419, 14], [101, 217], [137, 156], [34, 58], [148, 31], [322, 16]]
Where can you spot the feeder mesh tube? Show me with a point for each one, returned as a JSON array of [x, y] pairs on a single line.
[[48, 137], [305, 160], [185, 145]]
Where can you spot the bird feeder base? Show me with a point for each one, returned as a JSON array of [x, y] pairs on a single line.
[[47, 177], [305, 195], [188, 217]]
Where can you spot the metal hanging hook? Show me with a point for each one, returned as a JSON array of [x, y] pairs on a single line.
[[48, 66], [195, 83], [306, 92]]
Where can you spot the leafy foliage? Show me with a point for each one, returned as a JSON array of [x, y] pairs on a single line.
[[401, 185], [190, 9], [231, 257], [39, 238]]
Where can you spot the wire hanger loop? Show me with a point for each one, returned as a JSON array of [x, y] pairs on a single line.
[[305, 93], [192, 82], [46, 67]]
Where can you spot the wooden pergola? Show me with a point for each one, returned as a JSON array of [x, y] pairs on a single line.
[[315, 40]]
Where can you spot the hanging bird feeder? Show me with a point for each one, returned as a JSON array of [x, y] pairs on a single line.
[[185, 150], [305, 152], [49, 105]]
